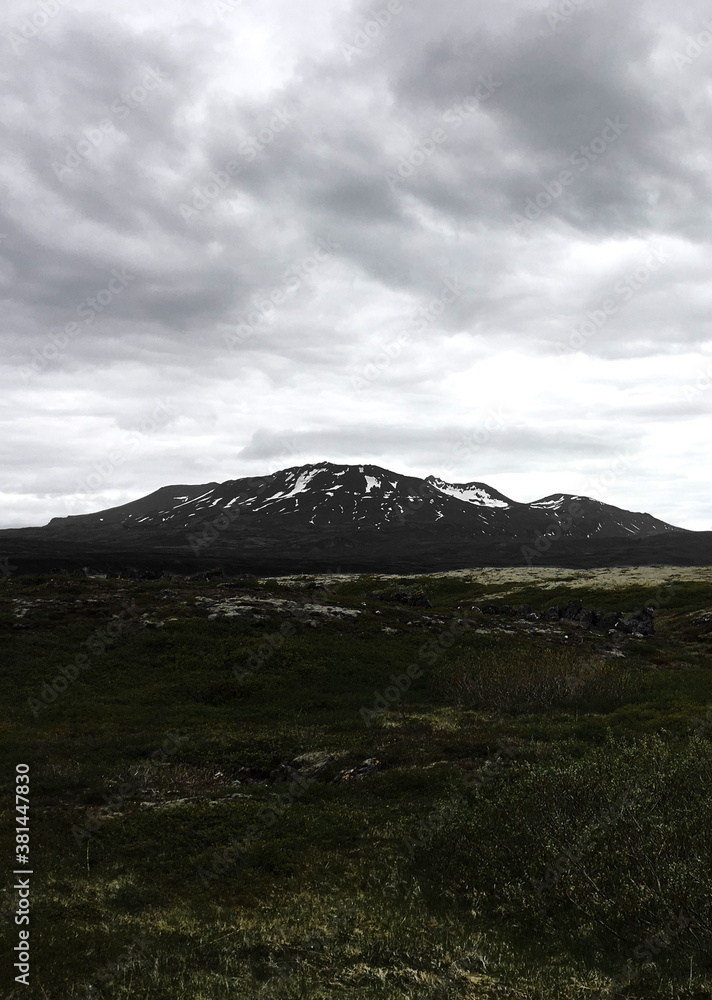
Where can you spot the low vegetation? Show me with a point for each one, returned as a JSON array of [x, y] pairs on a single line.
[[302, 788]]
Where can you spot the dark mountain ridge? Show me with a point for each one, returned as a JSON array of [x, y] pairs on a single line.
[[355, 517], [369, 496]]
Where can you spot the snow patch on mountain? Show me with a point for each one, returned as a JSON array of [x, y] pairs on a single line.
[[370, 497], [300, 486], [469, 492], [557, 500]]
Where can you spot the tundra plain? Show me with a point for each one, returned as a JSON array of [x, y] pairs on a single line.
[[363, 786]]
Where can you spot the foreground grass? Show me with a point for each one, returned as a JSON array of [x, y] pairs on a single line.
[[538, 823]]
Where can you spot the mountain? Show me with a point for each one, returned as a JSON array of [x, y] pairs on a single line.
[[353, 518], [368, 497]]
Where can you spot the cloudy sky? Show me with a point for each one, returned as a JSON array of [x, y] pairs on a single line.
[[472, 240]]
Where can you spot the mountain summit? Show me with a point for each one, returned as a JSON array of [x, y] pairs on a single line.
[[357, 518], [369, 497]]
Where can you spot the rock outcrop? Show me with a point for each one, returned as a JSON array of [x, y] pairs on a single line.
[[642, 622]]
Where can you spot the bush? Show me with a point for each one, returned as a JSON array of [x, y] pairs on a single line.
[[536, 679], [605, 853]]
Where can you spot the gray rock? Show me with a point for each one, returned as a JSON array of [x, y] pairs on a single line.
[[642, 623], [610, 620], [364, 770], [570, 611], [311, 765], [249, 776], [585, 617]]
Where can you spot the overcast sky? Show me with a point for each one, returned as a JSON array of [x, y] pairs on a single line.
[[472, 240]]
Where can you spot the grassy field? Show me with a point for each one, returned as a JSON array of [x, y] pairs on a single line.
[[294, 788]]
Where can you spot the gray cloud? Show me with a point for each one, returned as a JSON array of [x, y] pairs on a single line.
[[503, 446], [533, 163]]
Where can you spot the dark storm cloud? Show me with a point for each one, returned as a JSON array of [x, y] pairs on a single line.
[[558, 93]]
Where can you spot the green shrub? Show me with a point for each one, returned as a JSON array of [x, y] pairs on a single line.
[[529, 679], [600, 852]]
